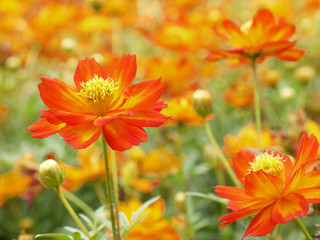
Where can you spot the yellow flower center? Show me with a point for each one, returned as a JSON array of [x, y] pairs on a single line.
[[99, 91], [267, 163]]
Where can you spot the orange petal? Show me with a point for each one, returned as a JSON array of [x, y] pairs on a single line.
[[86, 70], [234, 35], [276, 47], [262, 22], [145, 118], [291, 206], [308, 148], [239, 199], [74, 118], [282, 31], [291, 54], [143, 95], [81, 136], [123, 73], [309, 186], [60, 96], [121, 136], [43, 129], [263, 185], [233, 216], [217, 55], [241, 164], [261, 225]]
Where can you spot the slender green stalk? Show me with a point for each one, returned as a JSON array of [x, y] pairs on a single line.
[[115, 187], [109, 190], [72, 213], [221, 155], [78, 202], [257, 107], [303, 228]]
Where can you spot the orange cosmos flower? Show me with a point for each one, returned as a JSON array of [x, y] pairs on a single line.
[[263, 36], [153, 226], [274, 188], [102, 102]]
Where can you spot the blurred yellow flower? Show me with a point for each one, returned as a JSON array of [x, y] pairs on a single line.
[[154, 226]]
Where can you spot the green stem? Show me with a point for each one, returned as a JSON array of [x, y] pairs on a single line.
[[72, 213], [115, 187], [78, 202], [109, 189], [221, 155], [304, 230], [257, 108]]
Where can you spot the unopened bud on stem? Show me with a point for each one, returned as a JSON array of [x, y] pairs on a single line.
[[50, 174], [202, 102]]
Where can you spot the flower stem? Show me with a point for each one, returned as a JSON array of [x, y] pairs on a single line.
[[303, 228], [72, 213], [78, 202], [221, 155], [115, 188], [257, 108], [109, 190]]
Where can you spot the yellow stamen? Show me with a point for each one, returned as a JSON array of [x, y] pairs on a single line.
[[268, 163], [98, 89]]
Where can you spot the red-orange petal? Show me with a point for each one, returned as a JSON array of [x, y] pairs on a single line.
[[43, 128], [217, 55], [291, 206], [123, 73], [261, 225], [241, 164], [81, 136], [121, 136], [143, 95], [86, 70], [281, 31], [145, 185], [293, 54], [308, 148], [233, 216], [58, 95], [145, 118], [74, 118], [263, 185], [262, 22]]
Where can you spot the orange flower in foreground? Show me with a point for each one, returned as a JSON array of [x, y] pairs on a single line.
[[263, 36], [153, 226], [102, 102], [275, 189]]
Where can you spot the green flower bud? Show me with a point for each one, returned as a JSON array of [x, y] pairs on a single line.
[[50, 174], [202, 102]]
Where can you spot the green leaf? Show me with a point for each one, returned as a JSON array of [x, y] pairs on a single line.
[[75, 230], [209, 196], [86, 219], [123, 220], [94, 237], [54, 235], [76, 236]]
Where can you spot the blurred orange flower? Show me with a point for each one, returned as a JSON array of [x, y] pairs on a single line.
[[91, 167], [153, 226], [101, 102], [241, 93], [144, 171], [274, 188], [13, 184], [182, 111], [263, 36], [248, 138]]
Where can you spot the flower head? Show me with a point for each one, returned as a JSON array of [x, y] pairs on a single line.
[[275, 189], [101, 102], [263, 36]]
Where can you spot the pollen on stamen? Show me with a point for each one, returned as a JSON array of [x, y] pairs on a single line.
[[98, 89], [268, 163]]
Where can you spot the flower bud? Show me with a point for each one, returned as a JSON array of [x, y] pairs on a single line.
[[69, 45], [50, 174], [211, 156], [304, 74], [180, 201], [202, 102], [287, 93], [96, 4]]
